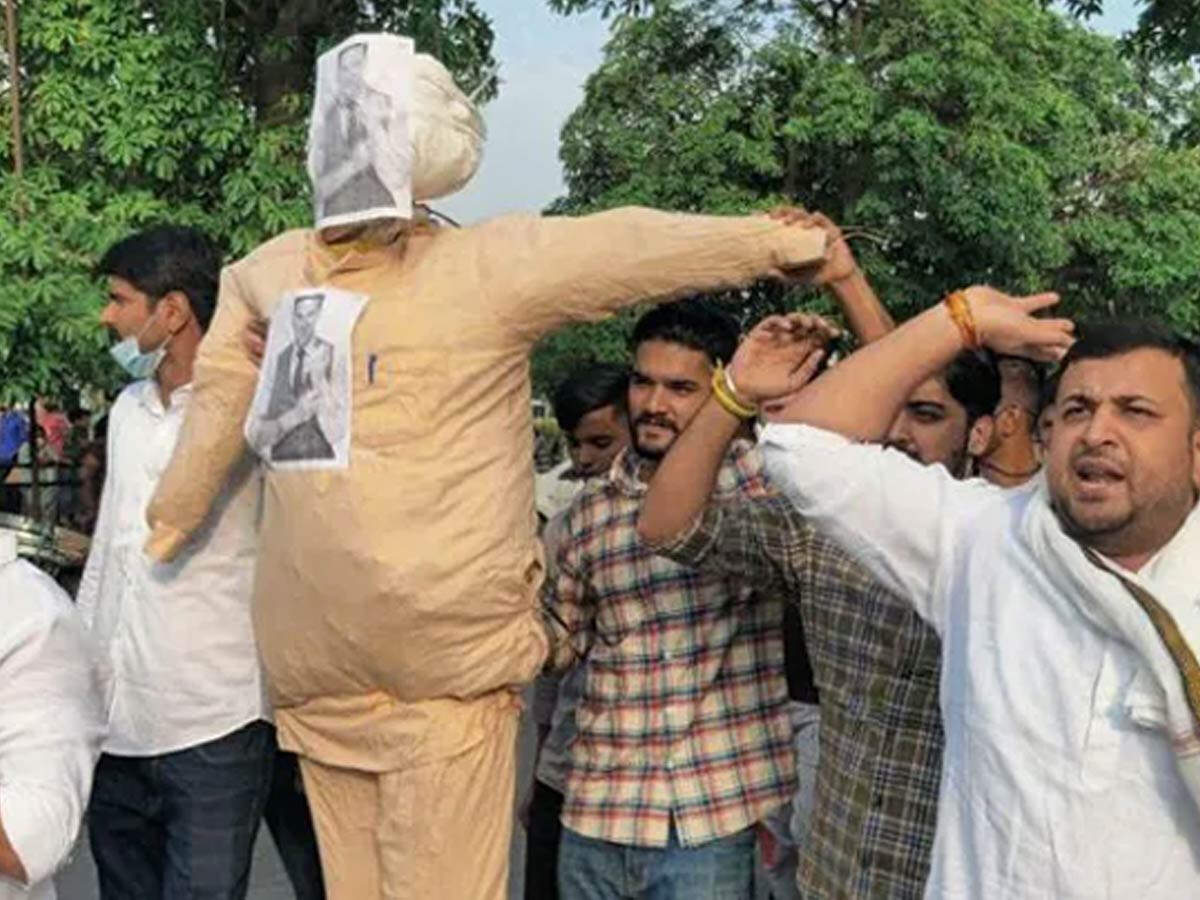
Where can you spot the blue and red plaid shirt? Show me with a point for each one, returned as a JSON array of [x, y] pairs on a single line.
[[684, 709]]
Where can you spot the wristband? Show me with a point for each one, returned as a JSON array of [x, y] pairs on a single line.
[[726, 394], [962, 317]]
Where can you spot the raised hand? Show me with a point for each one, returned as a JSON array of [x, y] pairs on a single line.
[[1007, 324], [779, 356]]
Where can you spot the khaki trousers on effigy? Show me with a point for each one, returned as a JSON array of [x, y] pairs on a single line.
[[441, 830]]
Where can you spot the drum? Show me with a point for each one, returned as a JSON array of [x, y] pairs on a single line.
[[55, 549]]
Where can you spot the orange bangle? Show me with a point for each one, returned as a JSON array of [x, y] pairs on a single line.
[[960, 314]]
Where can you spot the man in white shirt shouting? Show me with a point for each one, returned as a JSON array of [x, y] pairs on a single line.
[[50, 726], [180, 788], [1067, 609]]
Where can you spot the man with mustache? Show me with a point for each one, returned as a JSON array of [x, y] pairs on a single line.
[[876, 664], [684, 737], [679, 752], [1068, 612]]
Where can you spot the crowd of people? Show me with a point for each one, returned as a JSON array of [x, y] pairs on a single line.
[[918, 621]]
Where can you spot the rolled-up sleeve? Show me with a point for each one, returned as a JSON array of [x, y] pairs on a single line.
[[50, 722], [899, 518], [757, 541]]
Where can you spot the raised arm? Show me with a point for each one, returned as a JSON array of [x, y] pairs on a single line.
[[899, 518], [211, 442], [685, 479], [860, 397], [868, 319], [687, 475], [560, 269]]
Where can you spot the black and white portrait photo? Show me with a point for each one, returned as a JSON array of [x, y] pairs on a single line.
[[301, 412], [359, 144]]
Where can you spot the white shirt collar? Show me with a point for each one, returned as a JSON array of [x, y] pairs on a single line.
[[150, 397]]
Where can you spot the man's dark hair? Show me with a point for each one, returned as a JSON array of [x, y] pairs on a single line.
[[974, 382], [1115, 337], [1048, 392], [317, 298], [696, 323], [168, 258], [586, 390]]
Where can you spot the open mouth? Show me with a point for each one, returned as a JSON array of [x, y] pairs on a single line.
[[1098, 473]]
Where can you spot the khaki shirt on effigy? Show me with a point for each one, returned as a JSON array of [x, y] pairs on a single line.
[[411, 575]]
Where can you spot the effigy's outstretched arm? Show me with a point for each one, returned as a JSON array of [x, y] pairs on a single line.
[[562, 269]]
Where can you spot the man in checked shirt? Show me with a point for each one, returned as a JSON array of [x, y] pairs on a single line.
[[684, 739], [876, 664]]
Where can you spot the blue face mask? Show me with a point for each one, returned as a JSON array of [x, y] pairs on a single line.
[[135, 361]]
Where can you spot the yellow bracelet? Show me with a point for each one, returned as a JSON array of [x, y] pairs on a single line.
[[960, 313], [722, 389]]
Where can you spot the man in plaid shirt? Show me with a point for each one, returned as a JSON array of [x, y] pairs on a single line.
[[683, 734], [876, 663], [684, 738]]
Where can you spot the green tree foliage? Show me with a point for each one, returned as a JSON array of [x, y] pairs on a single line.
[[192, 111], [968, 142], [1167, 29]]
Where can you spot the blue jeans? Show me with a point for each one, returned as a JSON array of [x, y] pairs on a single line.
[[181, 825], [589, 869]]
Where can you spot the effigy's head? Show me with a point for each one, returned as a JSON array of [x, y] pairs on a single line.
[[389, 128]]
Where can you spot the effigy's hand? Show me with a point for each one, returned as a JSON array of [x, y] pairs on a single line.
[[838, 264]]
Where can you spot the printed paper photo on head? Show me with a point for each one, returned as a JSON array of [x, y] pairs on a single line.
[[359, 145]]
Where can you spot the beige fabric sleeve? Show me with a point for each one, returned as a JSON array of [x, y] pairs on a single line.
[[558, 270], [211, 442]]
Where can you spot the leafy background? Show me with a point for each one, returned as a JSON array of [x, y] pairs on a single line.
[[964, 141]]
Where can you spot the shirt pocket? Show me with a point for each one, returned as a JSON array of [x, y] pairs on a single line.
[[1123, 703]]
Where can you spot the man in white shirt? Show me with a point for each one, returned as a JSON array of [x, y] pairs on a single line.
[[50, 726], [1067, 609], [181, 785]]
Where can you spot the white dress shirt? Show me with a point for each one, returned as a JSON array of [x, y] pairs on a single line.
[[50, 722], [176, 641], [1050, 786]]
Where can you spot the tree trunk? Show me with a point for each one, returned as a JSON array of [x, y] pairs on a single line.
[[14, 93], [297, 26]]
